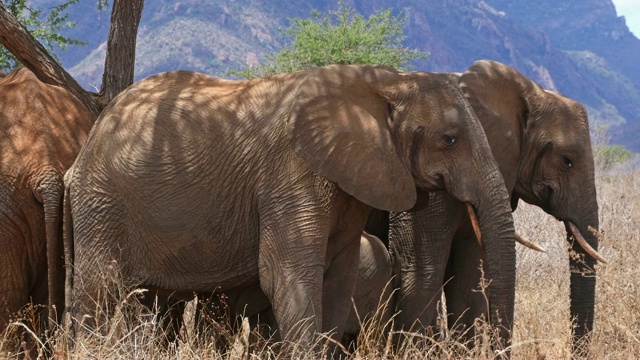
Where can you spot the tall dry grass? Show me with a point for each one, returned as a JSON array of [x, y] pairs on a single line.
[[542, 323], [542, 292]]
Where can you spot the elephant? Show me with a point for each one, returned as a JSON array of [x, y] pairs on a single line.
[[540, 140], [372, 301], [234, 305], [43, 127], [189, 183]]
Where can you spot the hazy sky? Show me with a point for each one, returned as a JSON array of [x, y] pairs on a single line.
[[630, 9]]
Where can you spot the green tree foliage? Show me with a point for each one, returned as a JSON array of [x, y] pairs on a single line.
[[44, 26], [342, 37]]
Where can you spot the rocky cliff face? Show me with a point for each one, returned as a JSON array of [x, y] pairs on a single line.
[[606, 53], [578, 47]]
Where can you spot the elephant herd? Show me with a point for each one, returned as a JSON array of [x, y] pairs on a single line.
[[192, 184]]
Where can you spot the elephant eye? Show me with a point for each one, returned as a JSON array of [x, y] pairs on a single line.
[[568, 162], [449, 140]]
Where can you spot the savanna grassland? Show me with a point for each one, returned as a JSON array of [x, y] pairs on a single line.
[[542, 323], [542, 293]]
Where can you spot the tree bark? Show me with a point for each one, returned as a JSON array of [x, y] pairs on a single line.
[[119, 62], [15, 37], [121, 48]]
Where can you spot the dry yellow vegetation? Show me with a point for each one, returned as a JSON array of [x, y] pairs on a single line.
[[542, 323]]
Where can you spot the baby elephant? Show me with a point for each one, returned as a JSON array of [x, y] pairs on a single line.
[[371, 299]]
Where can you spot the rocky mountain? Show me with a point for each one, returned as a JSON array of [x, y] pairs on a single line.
[[580, 48]]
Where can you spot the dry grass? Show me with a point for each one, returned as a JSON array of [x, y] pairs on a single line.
[[542, 293], [542, 303]]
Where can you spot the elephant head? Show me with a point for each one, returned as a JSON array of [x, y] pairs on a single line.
[[541, 142], [407, 133]]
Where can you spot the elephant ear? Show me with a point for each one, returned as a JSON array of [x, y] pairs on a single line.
[[340, 126], [503, 100]]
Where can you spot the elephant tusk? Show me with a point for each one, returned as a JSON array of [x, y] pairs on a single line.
[[475, 225], [583, 243], [529, 244]]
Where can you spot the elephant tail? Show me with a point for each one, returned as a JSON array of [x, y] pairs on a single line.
[[68, 258], [50, 190]]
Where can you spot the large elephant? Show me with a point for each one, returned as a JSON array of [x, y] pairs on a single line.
[[540, 140], [191, 183], [43, 127]]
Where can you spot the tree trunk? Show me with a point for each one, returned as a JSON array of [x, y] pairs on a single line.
[[121, 48], [15, 37], [119, 62]]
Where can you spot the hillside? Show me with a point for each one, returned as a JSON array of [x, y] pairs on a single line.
[[573, 47]]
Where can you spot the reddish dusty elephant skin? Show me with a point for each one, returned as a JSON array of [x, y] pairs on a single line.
[[42, 128]]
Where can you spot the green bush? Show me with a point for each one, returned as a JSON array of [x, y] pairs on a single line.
[[343, 37]]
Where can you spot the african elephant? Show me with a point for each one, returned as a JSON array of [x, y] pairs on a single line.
[[540, 140], [43, 127], [374, 270], [190, 183], [250, 302]]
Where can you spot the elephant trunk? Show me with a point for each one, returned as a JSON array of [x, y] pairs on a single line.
[[583, 276], [496, 225], [491, 204]]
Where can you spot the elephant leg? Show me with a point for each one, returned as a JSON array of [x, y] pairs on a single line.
[[339, 278], [211, 319], [372, 296], [38, 296], [465, 300], [299, 262], [266, 324], [169, 311], [220, 315], [171, 317], [95, 282], [251, 304], [13, 299], [291, 268], [420, 246], [14, 293], [94, 299]]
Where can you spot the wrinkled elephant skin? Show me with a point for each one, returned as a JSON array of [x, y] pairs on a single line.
[[540, 140], [191, 183], [42, 129]]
